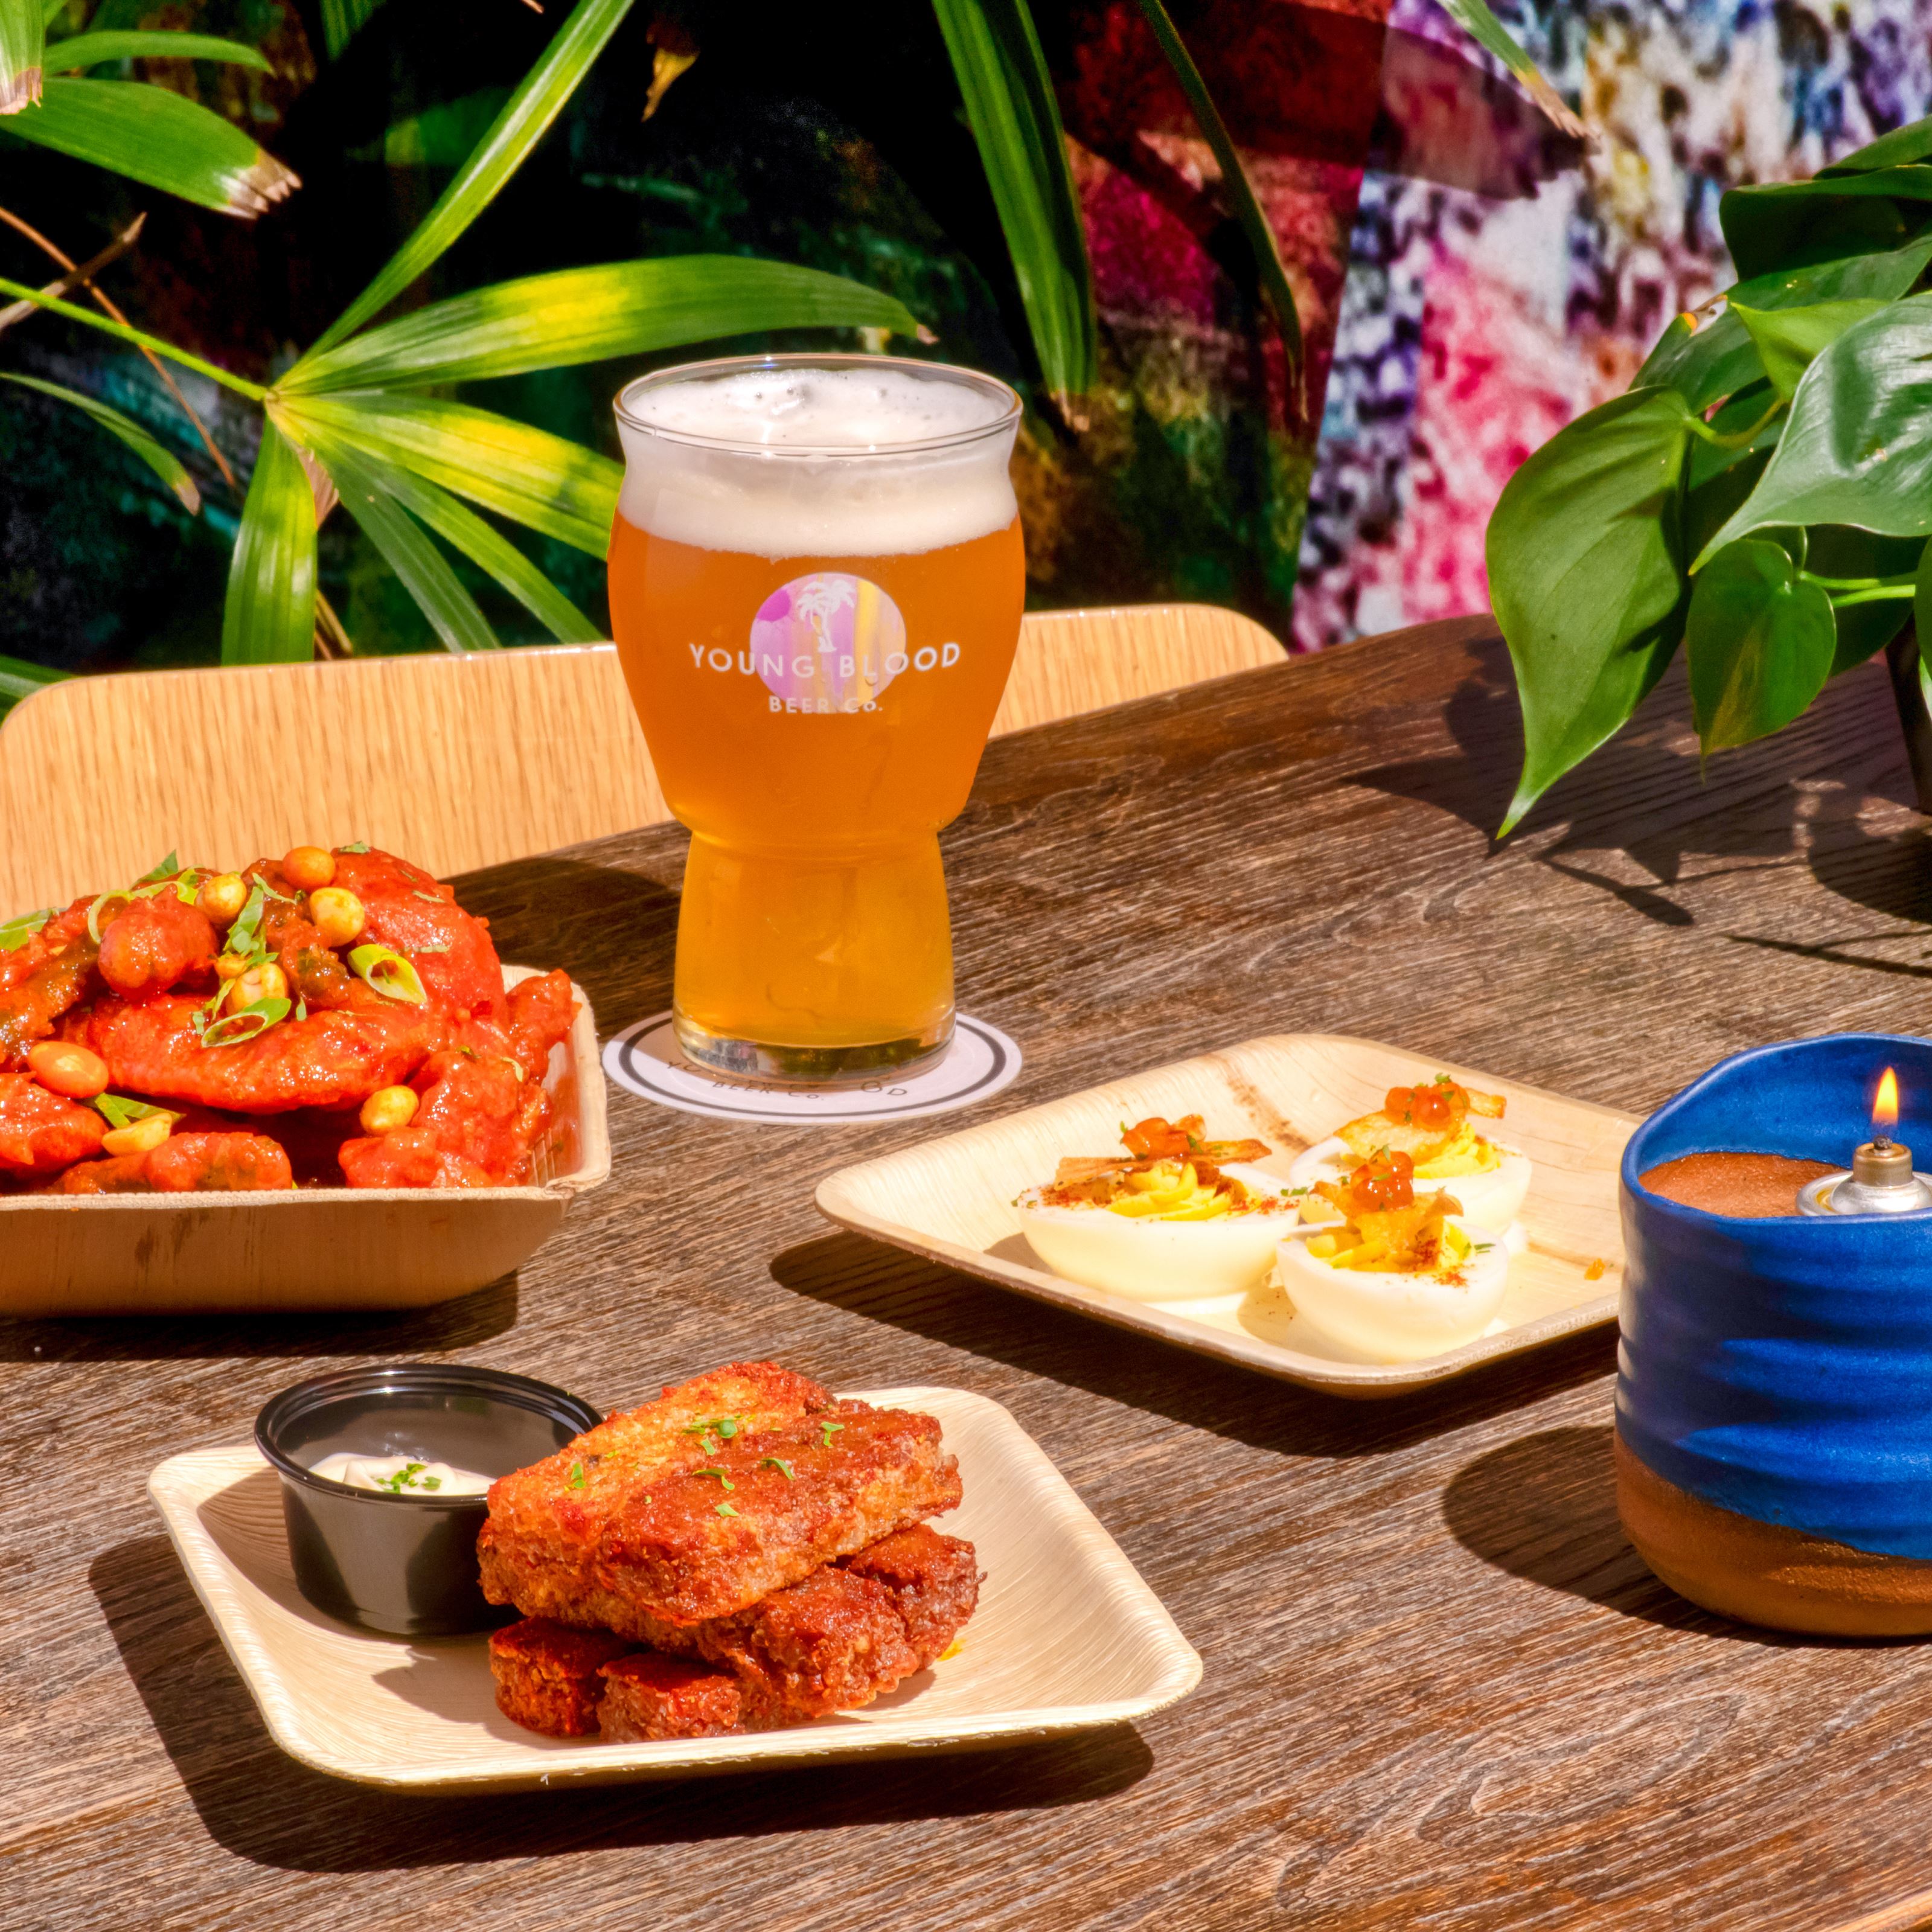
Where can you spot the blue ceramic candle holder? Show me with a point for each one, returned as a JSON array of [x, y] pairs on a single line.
[[1774, 1404]]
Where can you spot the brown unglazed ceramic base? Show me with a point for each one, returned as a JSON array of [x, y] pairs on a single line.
[[1764, 1573]]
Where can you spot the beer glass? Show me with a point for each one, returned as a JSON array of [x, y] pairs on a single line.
[[816, 584]]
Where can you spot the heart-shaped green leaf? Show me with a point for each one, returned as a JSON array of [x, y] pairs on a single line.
[[1586, 578], [1760, 639], [1712, 356], [1864, 629], [1786, 224], [1900, 148], [1854, 450], [1788, 341]]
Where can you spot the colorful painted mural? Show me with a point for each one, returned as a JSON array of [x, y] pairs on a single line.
[[1480, 316], [1468, 278]]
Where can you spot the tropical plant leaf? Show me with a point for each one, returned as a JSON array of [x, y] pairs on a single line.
[[526, 475], [441, 136], [1760, 639], [1489, 33], [424, 571], [525, 118], [342, 19], [161, 139], [162, 460], [1854, 450], [1586, 578], [1788, 341], [585, 315], [21, 33], [121, 332], [1240, 191], [20, 679], [1921, 619], [1900, 148], [1791, 224], [1864, 629], [1010, 107], [492, 551], [462, 529], [269, 617], [82, 51], [1706, 357]]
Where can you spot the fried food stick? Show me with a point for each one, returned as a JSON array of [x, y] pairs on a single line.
[[546, 1676], [538, 1549], [838, 1640], [762, 1512], [847, 1634], [647, 1696]]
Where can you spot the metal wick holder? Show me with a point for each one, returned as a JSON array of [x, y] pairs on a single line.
[[1882, 1181]]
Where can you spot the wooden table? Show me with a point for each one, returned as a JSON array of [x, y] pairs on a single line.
[[1440, 1689]]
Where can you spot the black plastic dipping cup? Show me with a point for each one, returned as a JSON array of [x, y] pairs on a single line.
[[405, 1563]]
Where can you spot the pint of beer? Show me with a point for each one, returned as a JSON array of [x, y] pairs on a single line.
[[816, 584]]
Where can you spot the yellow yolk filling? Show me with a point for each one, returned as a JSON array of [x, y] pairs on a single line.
[[1170, 1191], [1371, 1255], [1467, 1153]]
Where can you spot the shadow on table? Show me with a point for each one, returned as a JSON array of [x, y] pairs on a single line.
[[1641, 794], [884, 1284], [460, 1323], [1544, 1507], [263, 1806], [615, 930]]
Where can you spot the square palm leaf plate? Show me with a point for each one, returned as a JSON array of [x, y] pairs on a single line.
[[1067, 1637], [72, 1255], [951, 1199]]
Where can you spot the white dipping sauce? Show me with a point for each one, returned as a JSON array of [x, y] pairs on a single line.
[[400, 1475]]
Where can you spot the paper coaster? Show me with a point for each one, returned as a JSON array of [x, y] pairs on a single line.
[[646, 1059]]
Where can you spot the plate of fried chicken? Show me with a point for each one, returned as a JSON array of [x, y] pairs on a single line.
[[219, 1089], [744, 1572]]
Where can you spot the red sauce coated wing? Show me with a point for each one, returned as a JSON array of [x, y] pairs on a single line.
[[335, 1059], [450, 950], [541, 1009], [211, 1163], [41, 1132], [155, 944]]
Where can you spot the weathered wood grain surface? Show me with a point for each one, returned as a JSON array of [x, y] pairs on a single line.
[[1440, 1689]]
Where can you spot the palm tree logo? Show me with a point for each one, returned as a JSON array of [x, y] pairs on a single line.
[[821, 600]]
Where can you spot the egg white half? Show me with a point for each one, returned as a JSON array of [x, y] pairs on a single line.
[[1398, 1318], [1490, 1201], [1160, 1260]]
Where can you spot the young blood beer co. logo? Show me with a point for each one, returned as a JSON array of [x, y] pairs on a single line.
[[830, 642]]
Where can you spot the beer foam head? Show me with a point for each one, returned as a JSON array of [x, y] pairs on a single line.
[[805, 460]]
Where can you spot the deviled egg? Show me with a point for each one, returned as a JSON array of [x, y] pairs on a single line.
[[1432, 1125], [1392, 1276], [1178, 1218]]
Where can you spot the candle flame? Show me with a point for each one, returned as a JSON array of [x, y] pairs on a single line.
[[1885, 1107]]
